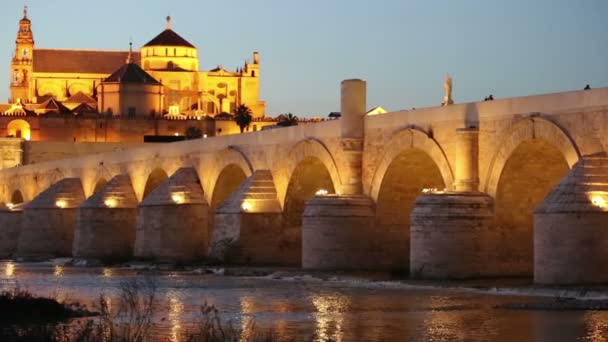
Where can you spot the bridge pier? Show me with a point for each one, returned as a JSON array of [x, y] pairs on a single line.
[[105, 225], [49, 221], [251, 221], [337, 228], [10, 227], [172, 221], [452, 234], [571, 227], [337, 233]]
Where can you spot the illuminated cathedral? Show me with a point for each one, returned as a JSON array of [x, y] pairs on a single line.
[[160, 82]]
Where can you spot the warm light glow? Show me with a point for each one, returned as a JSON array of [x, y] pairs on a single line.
[[58, 272], [10, 205], [176, 309], [322, 192], [598, 201], [178, 198], [329, 316], [9, 271], [111, 202], [204, 136], [246, 206], [61, 204], [176, 134], [429, 190], [107, 272]]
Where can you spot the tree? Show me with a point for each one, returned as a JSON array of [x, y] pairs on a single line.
[[243, 117], [193, 133], [287, 120]]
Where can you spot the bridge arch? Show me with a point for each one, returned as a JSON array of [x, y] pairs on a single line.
[[411, 162], [155, 178], [308, 177], [230, 157], [17, 197], [305, 151], [531, 159], [525, 130], [406, 139]]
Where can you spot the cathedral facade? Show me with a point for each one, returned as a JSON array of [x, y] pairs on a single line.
[[160, 82]]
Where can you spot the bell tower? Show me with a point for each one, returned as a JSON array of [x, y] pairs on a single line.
[[22, 63]]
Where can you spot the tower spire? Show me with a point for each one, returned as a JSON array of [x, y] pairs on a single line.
[[25, 12], [168, 22], [130, 56]]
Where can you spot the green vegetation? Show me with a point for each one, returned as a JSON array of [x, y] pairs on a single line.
[[243, 117], [25, 317]]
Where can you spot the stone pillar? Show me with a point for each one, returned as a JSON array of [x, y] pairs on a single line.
[[353, 109], [336, 233], [172, 220], [10, 226], [249, 226], [337, 229], [467, 160], [452, 236], [571, 227], [49, 221], [105, 225]]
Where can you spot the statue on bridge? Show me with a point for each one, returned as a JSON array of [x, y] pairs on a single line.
[[447, 86]]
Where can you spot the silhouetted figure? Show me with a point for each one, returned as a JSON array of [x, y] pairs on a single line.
[[491, 97], [587, 87]]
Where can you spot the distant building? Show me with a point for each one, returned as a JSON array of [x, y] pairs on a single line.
[[151, 89]]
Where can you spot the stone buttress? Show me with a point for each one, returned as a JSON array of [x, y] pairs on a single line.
[[10, 227], [49, 221], [571, 227], [251, 220], [105, 224], [172, 221]]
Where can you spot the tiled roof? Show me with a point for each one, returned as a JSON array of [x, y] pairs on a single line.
[[79, 98], [131, 73], [169, 38], [84, 108], [52, 105], [79, 61]]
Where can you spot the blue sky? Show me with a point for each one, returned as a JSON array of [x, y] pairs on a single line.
[[402, 48]]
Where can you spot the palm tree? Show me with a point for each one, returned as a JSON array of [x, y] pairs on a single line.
[[287, 120], [243, 117]]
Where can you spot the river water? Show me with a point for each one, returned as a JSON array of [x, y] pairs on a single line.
[[305, 310]]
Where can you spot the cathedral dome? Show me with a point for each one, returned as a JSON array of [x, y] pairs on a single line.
[[169, 38]]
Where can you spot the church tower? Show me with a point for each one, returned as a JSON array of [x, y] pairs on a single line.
[[21, 66]]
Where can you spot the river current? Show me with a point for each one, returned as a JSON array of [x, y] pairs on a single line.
[[304, 309]]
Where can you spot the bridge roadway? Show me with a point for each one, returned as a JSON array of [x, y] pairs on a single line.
[[259, 197]]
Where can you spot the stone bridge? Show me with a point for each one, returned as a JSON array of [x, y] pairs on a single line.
[[339, 194]]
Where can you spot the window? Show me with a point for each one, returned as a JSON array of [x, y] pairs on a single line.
[[255, 128], [253, 73]]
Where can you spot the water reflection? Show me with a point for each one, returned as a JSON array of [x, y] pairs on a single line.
[[247, 323], [107, 272], [299, 311], [9, 270], [58, 271], [597, 326], [329, 316], [176, 309]]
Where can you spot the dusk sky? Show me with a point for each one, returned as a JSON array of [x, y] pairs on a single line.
[[402, 48]]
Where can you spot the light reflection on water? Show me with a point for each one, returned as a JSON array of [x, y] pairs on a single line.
[[315, 311]]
